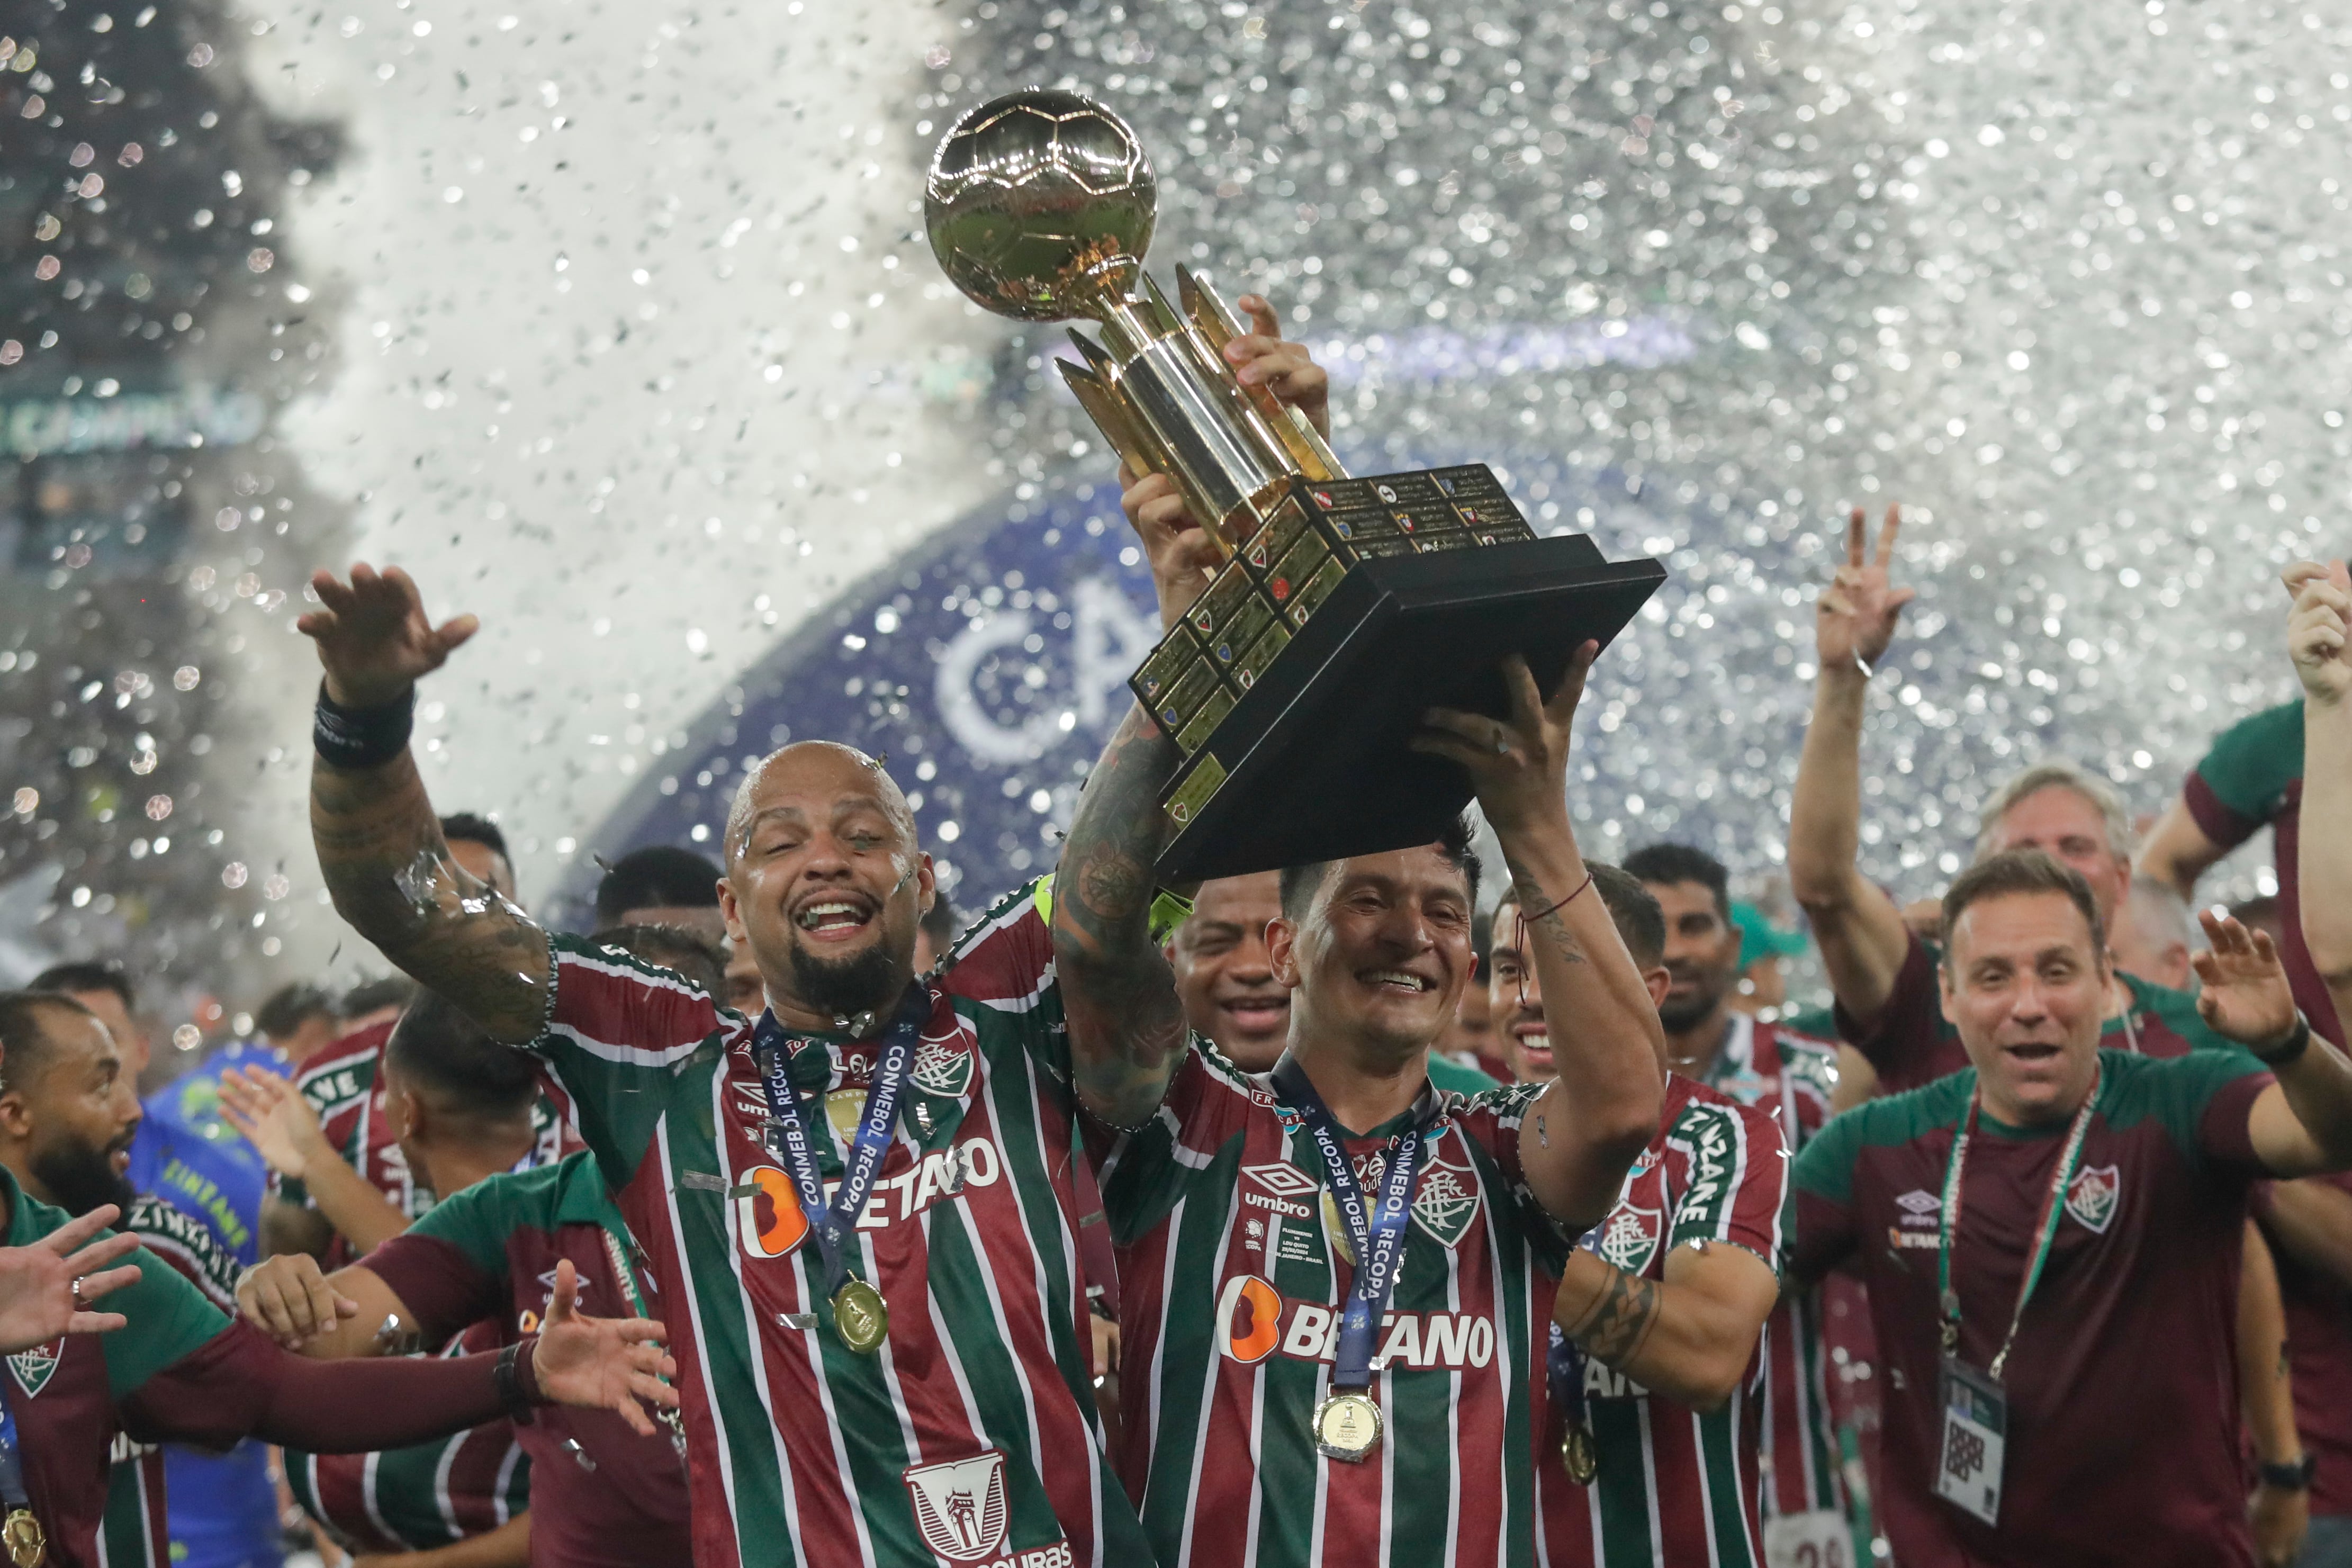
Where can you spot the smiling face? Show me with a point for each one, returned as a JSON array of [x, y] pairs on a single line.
[[825, 886], [1224, 974], [2026, 987], [1379, 954], [2066, 826], [69, 1122], [1702, 953]]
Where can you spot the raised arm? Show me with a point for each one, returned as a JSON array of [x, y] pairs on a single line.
[[1127, 1026], [379, 842], [2319, 638], [2176, 851], [1860, 930], [1586, 1127], [283, 1128], [2302, 1124]]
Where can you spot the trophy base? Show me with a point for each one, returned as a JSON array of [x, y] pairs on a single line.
[[1311, 761]]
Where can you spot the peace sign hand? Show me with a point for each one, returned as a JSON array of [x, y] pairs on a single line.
[[1519, 764], [1855, 618]]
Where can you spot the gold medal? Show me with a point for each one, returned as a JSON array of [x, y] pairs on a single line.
[[1348, 1427], [22, 1534], [1579, 1454], [860, 1317]]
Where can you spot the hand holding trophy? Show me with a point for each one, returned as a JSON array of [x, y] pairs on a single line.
[[1345, 606]]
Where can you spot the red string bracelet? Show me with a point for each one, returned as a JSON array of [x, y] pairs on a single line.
[[1555, 908]]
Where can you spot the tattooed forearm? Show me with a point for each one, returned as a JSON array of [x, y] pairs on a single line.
[[1617, 1319], [1550, 925], [391, 876], [1127, 1026]]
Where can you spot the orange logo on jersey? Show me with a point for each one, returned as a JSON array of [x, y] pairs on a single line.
[[1249, 1318], [780, 1228]]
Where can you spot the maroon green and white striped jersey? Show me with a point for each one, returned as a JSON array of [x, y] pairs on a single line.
[[971, 1436], [135, 1532], [1232, 1294], [1675, 1485], [1789, 1076]]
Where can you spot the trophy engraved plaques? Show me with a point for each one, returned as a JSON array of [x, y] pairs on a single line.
[[1346, 606]]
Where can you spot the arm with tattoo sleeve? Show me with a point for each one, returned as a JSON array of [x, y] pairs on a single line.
[[380, 846], [1689, 1336]]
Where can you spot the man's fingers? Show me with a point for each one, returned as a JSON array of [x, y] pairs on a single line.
[[2302, 571], [95, 1322], [1898, 599], [455, 631], [1886, 532], [1451, 747], [332, 591], [566, 1296], [646, 1330], [68, 1237], [1261, 315], [105, 1281], [1527, 702], [1854, 538], [1563, 704], [97, 1255]]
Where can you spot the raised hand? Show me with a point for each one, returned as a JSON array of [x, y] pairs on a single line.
[[1855, 618], [281, 1125], [374, 637], [2245, 995], [601, 1363], [1519, 764], [1287, 370], [1183, 556], [289, 1298], [2319, 629], [38, 1299]]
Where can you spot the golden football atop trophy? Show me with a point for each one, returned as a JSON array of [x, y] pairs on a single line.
[[1345, 606]]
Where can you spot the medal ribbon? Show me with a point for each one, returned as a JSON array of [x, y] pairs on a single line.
[[1564, 1357], [12, 1454], [2046, 1229], [831, 1224], [1377, 1234]]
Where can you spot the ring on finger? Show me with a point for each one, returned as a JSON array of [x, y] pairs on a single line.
[[77, 1292]]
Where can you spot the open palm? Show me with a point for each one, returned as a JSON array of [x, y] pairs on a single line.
[[601, 1363], [2245, 995], [38, 1298], [374, 637]]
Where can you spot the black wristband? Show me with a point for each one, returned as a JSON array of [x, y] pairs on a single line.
[[2296, 1044], [356, 738], [2293, 1476], [507, 1378]]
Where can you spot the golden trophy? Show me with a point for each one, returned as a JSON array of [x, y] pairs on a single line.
[[1346, 606]]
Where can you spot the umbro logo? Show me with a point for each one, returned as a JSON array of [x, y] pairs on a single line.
[[1918, 1205], [1279, 1187]]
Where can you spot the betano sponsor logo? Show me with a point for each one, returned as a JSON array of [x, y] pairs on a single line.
[[767, 1210], [1254, 1321]]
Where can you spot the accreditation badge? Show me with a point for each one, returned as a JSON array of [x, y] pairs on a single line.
[[1975, 1427]]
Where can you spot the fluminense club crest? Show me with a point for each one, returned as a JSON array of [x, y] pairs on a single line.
[[2092, 1194], [34, 1367], [959, 1506], [943, 1068], [1630, 1238], [1445, 1199]]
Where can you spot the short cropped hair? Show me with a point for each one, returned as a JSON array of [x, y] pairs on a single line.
[[2101, 794], [289, 1007], [85, 975], [375, 995], [439, 1051], [694, 957], [1668, 864], [1301, 883], [24, 1020], [659, 876], [942, 924], [476, 829], [1641, 922], [2020, 872], [2162, 912]]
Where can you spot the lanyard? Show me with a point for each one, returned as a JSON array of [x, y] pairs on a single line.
[[11, 1454], [1378, 1233], [791, 1121], [2046, 1230]]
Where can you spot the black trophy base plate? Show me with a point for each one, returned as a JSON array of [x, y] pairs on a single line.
[[1315, 755]]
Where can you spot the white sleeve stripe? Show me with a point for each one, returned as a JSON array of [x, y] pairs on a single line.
[[628, 1055]]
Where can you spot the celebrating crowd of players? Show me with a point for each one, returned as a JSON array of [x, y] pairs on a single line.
[[1133, 1227]]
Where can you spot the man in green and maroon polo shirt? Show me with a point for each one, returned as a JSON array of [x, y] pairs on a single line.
[[2047, 1236]]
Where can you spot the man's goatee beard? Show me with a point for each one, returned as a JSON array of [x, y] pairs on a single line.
[[869, 982], [1676, 1018], [81, 1179]]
